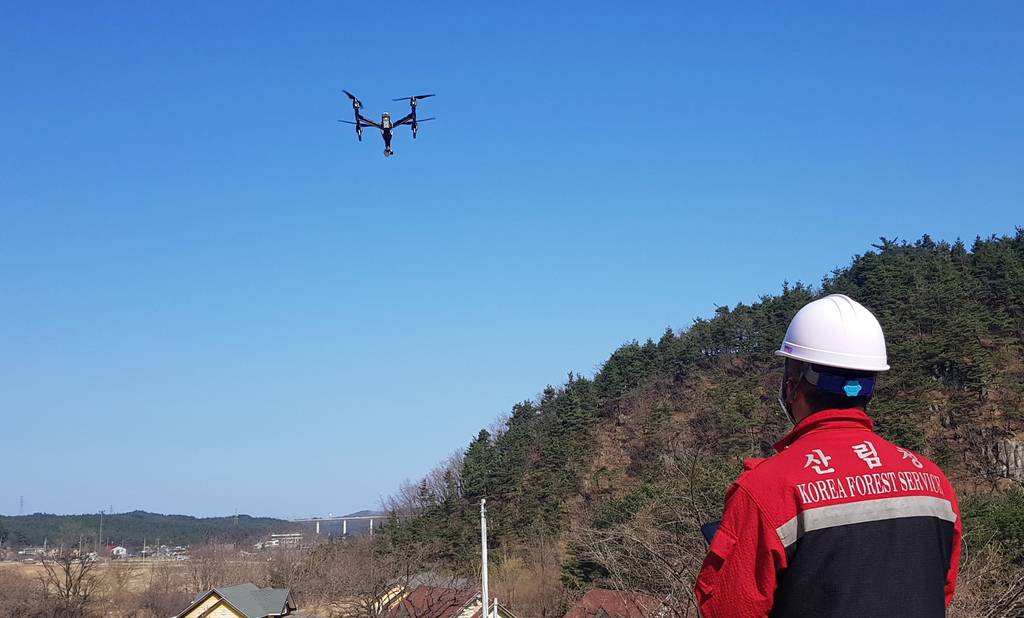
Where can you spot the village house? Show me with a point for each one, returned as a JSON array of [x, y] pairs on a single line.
[[602, 603], [433, 602], [242, 601], [400, 588], [291, 540]]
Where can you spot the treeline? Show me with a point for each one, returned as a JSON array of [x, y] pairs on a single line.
[[134, 528], [660, 430], [336, 578]]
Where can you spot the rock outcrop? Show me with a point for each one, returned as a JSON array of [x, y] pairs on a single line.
[[1008, 456]]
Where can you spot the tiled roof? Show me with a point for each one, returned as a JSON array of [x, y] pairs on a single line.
[[274, 600], [253, 602], [243, 597], [431, 602], [601, 603]]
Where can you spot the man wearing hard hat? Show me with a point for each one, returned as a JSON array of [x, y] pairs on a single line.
[[840, 522]]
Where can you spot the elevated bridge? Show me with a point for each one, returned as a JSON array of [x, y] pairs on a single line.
[[344, 519]]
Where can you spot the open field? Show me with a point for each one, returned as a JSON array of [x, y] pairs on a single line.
[[126, 575]]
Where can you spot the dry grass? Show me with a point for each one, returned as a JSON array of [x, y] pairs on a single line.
[[989, 586]]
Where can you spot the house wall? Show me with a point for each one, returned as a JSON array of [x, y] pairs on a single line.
[[470, 609], [223, 611], [198, 610], [391, 597]]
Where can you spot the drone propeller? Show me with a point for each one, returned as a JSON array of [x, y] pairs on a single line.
[[418, 120], [356, 103], [347, 121], [418, 96]]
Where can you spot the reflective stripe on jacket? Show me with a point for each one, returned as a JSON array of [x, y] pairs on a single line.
[[839, 523]]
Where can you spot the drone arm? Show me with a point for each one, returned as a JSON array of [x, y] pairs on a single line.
[[366, 122], [407, 119]]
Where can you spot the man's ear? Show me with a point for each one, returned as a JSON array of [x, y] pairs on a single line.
[[794, 379], [789, 389], [800, 390]]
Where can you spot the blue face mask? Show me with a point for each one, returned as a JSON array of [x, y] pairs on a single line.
[[838, 384], [827, 382]]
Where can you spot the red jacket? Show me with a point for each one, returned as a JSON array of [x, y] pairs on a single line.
[[839, 523]]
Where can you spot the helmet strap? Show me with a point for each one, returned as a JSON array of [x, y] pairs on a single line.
[[786, 394]]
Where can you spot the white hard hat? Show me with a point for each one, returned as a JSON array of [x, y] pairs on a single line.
[[836, 331]]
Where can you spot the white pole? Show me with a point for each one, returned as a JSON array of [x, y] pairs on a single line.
[[483, 545]]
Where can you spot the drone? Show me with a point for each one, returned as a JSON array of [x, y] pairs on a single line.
[[385, 125]]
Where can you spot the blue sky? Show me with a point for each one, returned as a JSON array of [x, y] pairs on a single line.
[[205, 281]]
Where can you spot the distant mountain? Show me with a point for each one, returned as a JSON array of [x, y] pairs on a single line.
[[134, 528]]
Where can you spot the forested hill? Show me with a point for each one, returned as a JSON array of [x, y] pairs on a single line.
[[132, 529], [611, 475]]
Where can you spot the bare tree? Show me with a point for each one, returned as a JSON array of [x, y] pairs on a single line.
[[165, 591], [72, 581], [441, 483], [117, 581], [223, 565], [286, 567], [350, 578], [363, 577], [120, 575], [528, 577], [658, 549]]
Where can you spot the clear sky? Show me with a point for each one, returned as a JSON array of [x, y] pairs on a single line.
[[212, 297]]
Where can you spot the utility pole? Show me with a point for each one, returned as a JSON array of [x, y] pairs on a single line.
[[100, 540], [483, 547]]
